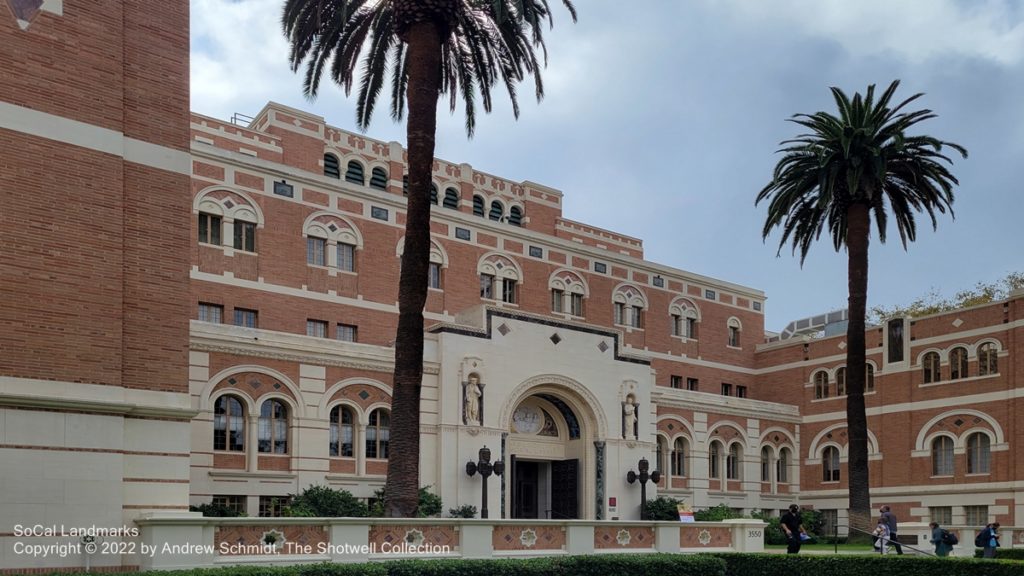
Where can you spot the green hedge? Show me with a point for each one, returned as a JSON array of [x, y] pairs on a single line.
[[594, 565], [1004, 554], [863, 565]]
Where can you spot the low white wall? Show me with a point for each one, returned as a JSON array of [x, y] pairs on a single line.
[[177, 541]]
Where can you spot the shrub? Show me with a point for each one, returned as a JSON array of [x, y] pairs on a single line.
[[326, 502], [663, 508], [716, 514], [1004, 553], [602, 565], [866, 565], [464, 511], [216, 510], [430, 504]]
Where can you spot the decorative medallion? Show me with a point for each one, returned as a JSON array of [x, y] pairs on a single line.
[[528, 537], [504, 329], [273, 537], [527, 420], [704, 537], [603, 347], [555, 338], [414, 537], [623, 537]]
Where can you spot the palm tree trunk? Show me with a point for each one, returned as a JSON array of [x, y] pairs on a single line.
[[857, 240], [402, 485]]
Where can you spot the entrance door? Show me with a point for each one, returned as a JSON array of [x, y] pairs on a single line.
[[565, 489], [525, 486]]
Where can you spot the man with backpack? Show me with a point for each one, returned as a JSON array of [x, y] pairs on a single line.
[[943, 539], [988, 540]]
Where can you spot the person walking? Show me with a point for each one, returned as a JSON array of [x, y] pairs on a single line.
[[882, 535], [890, 520], [792, 524], [940, 539], [989, 538]]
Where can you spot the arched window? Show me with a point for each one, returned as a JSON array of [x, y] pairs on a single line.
[[332, 168], [451, 198], [957, 363], [732, 463], [869, 378], [684, 316], [567, 292], [679, 451], [734, 332], [659, 456], [841, 382], [499, 278], [930, 366], [433, 193], [628, 305], [378, 434], [354, 173], [766, 465], [379, 179], [979, 450], [497, 211], [478, 206], [830, 464], [273, 427], [988, 362], [714, 454], [782, 467], [820, 385], [942, 456], [228, 424], [342, 436], [515, 216]]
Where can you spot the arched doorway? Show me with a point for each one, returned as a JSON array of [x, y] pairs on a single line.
[[553, 453]]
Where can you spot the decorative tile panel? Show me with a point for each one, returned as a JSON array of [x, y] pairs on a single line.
[[617, 537], [259, 540], [521, 537], [694, 536]]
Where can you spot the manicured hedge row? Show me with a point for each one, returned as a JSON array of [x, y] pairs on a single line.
[[863, 565], [1004, 554], [719, 564]]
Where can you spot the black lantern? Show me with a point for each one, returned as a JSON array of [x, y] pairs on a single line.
[[644, 467], [485, 467]]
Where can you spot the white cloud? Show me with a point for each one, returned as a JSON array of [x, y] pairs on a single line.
[[917, 31]]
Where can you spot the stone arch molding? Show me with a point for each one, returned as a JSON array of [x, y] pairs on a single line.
[[324, 413], [820, 442], [924, 437], [741, 438], [438, 255], [248, 210], [321, 222], [590, 407], [205, 401]]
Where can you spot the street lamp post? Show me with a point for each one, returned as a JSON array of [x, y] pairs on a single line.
[[644, 466], [485, 468]]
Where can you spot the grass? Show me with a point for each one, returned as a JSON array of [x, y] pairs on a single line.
[[864, 548]]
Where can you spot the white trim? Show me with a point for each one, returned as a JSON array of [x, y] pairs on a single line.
[[89, 136]]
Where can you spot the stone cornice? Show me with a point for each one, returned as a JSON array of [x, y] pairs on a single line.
[[98, 406], [717, 404]]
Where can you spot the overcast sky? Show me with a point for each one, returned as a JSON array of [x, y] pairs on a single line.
[[662, 117]]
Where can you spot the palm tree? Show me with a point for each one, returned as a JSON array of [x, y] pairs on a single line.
[[426, 49], [838, 175]]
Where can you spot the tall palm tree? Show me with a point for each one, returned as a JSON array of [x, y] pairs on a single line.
[[838, 175], [426, 49]]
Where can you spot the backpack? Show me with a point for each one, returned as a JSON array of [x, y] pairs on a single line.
[[981, 540], [949, 538]]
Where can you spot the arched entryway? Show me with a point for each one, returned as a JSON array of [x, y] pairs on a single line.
[[553, 451]]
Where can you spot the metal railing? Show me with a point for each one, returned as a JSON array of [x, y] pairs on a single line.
[[835, 540]]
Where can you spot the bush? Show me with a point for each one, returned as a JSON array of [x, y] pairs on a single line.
[[716, 514], [430, 504], [738, 564], [216, 510], [464, 511], [602, 565], [325, 502], [1003, 553], [663, 508]]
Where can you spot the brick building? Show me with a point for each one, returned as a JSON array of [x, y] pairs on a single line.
[[202, 311]]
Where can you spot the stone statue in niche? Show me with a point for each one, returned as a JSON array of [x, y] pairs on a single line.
[[629, 418], [473, 395]]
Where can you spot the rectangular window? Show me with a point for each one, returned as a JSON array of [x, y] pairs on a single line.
[[316, 251], [233, 502], [976, 515], [709, 294], [245, 236], [690, 330], [741, 391], [557, 298], [508, 291], [346, 332], [211, 313], [346, 257], [282, 188], [462, 233], [941, 514], [600, 267], [676, 325], [726, 389], [620, 313], [658, 281], [316, 328], [379, 213], [209, 229], [272, 506], [487, 286], [576, 304], [676, 381], [434, 276], [757, 306], [536, 252], [692, 384], [245, 318], [829, 521], [637, 317]]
